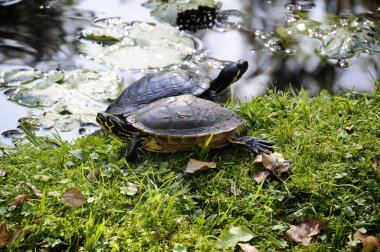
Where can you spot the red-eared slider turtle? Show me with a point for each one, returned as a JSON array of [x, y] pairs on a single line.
[[155, 86], [178, 124]]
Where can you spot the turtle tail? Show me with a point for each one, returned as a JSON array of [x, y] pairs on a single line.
[[255, 145]]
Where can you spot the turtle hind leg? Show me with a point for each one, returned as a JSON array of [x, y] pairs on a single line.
[[131, 154], [255, 145]]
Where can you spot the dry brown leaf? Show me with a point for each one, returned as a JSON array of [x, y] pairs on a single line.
[[258, 159], [92, 175], [369, 242], [73, 197], [275, 162], [195, 165], [19, 199], [259, 176], [248, 248], [3, 172], [37, 192], [5, 236], [304, 232]]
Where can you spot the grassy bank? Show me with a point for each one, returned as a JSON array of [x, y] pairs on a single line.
[[333, 142]]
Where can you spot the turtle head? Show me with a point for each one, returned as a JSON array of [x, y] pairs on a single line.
[[114, 125], [228, 75]]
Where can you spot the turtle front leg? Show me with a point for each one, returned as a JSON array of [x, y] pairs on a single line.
[[131, 154], [255, 145], [210, 95]]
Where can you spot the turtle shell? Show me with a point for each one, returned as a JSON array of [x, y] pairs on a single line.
[[183, 122], [184, 115], [155, 86]]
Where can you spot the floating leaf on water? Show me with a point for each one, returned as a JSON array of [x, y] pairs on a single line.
[[167, 11], [195, 165], [99, 85], [73, 197], [229, 238], [19, 77], [70, 98], [139, 45], [338, 44], [340, 38]]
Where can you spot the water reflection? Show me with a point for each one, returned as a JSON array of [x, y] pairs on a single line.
[[41, 35], [293, 63], [35, 32]]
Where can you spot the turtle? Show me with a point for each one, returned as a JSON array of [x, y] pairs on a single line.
[[180, 123], [155, 86]]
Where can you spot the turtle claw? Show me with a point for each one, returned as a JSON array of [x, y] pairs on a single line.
[[265, 146], [255, 145]]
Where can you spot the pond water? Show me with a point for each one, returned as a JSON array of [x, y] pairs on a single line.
[[331, 45]]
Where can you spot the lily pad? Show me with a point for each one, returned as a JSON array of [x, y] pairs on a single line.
[[167, 11], [66, 100], [341, 38], [136, 45]]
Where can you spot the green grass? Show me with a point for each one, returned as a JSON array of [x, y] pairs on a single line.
[[334, 177]]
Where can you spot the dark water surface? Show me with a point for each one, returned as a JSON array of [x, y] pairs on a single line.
[[44, 35]]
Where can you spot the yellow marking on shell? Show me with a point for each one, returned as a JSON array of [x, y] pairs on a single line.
[[169, 144]]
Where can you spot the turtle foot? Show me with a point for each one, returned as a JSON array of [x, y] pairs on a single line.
[[255, 145]]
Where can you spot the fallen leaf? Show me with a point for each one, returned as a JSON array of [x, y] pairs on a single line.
[[73, 197], [229, 238], [37, 192], [195, 165], [304, 232], [92, 175], [369, 242], [259, 176], [275, 162], [19, 199], [5, 236], [3, 172], [248, 248]]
